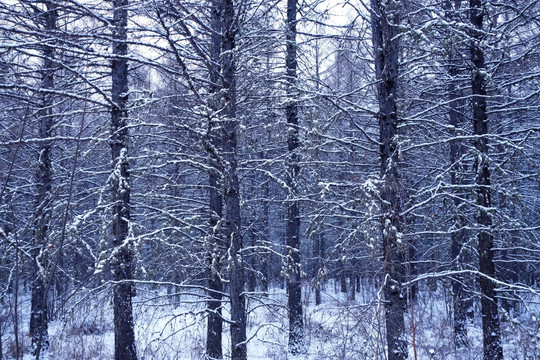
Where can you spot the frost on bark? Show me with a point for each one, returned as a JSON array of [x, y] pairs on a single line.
[[39, 312], [294, 287], [122, 262], [490, 309], [385, 21]]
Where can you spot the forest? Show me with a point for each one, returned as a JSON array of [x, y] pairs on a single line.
[[269, 179]]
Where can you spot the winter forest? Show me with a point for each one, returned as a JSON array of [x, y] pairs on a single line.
[[270, 179]]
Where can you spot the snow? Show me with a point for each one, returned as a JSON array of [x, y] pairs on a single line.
[[172, 326]]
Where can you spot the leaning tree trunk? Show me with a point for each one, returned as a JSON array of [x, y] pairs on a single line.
[[39, 312], [231, 196], [294, 287], [490, 309], [385, 21], [122, 264]]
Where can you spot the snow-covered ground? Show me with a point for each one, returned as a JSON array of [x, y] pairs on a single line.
[[173, 328]]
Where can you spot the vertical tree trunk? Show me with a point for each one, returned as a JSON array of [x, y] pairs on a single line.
[[215, 286], [251, 277], [232, 186], [39, 312], [1, 343], [343, 280], [458, 251], [294, 287], [385, 22], [122, 264], [214, 329], [266, 231], [318, 241], [317, 253], [461, 304], [490, 308]]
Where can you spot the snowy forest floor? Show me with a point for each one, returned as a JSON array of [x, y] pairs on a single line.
[[172, 327]]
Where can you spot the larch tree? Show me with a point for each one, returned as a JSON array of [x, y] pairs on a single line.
[[203, 45], [231, 185], [385, 18], [456, 103], [122, 258], [214, 328], [39, 316], [253, 126], [490, 308], [294, 273]]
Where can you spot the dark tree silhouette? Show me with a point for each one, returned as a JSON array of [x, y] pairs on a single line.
[[122, 262]]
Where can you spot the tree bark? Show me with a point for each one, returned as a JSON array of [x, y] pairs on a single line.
[[265, 259], [215, 286], [252, 274], [122, 263], [232, 186], [318, 255], [461, 303], [214, 329], [294, 287], [385, 22], [490, 308], [39, 311], [342, 280]]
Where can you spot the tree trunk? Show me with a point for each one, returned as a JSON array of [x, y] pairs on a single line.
[[318, 241], [122, 263], [252, 274], [232, 186], [214, 329], [317, 253], [39, 315], [343, 280], [266, 236], [352, 287], [215, 286], [461, 304], [385, 22], [490, 308], [294, 287]]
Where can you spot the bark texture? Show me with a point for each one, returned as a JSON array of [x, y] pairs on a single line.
[[294, 287], [39, 309], [490, 308], [462, 306], [122, 264], [385, 21], [318, 254], [214, 330], [231, 195]]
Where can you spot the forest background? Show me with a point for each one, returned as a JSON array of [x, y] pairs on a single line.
[[269, 179]]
